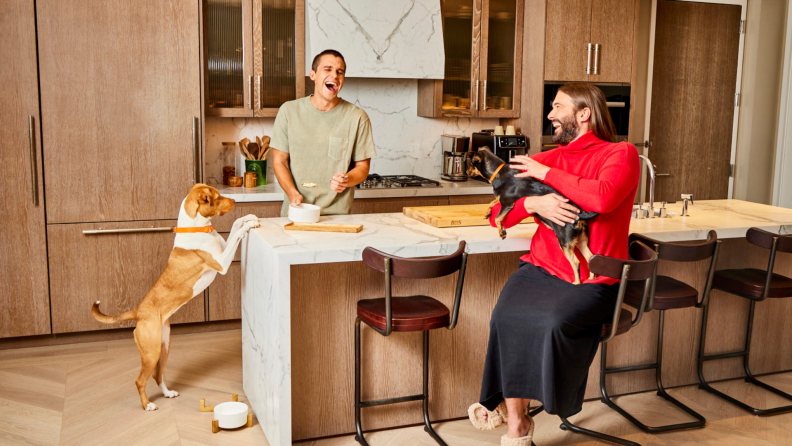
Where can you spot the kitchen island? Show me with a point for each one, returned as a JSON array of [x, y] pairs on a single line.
[[299, 294]]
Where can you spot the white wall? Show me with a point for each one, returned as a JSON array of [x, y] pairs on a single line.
[[782, 189]]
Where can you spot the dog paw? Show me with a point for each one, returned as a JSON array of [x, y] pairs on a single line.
[[151, 406], [502, 235], [249, 217], [171, 394]]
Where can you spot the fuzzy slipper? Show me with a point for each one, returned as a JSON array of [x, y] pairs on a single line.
[[521, 441], [495, 418]]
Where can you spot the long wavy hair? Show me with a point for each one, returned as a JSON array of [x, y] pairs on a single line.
[[586, 95]]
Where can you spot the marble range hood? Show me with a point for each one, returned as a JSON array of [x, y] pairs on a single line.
[[400, 39]]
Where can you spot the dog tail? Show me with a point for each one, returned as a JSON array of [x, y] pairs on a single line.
[[105, 319], [585, 216]]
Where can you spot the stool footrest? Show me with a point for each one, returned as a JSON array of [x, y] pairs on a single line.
[[401, 399], [631, 368], [725, 355]]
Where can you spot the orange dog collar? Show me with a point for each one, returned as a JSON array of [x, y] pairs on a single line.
[[496, 172], [190, 230]]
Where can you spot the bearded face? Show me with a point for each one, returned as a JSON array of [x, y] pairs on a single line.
[[566, 129]]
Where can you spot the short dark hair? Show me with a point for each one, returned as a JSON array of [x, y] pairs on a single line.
[[335, 53]]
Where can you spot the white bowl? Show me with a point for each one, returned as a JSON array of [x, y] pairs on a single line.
[[304, 213], [231, 415]]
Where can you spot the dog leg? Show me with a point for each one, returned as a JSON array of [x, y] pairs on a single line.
[[569, 253], [499, 219], [492, 205], [159, 373], [582, 245], [227, 256], [148, 337]]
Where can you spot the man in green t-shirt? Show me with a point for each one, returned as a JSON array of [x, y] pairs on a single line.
[[322, 143]]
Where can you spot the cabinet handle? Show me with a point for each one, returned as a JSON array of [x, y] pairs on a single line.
[[125, 231], [258, 92], [588, 63], [196, 151], [596, 57], [484, 106], [477, 93], [33, 171], [250, 90]]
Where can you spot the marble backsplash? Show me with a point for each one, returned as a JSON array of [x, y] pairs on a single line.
[[406, 143]]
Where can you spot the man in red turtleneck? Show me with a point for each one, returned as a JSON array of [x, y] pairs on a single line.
[[596, 174]]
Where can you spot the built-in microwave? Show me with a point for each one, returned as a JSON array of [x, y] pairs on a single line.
[[617, 97]]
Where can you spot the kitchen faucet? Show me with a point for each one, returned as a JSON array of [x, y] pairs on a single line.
[[651, 184]]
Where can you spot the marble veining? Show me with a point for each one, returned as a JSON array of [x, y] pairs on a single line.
[[378, 39], [268, 253]]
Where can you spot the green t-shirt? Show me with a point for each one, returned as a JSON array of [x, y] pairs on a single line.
[[320, 144]]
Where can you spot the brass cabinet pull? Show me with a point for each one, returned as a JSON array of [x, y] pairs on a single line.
[[33, 170], [477, 93], [250, 91], [196, 151], [588, 64], [125, 231], [596, 57], [484, 107]]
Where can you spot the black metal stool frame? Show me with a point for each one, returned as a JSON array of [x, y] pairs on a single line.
[[658, 364], [648, 296], [746, 352], [388, 329]]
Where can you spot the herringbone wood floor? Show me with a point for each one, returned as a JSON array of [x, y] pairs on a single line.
[[84, 394]]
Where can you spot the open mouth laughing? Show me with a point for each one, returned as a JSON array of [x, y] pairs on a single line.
[[331, 86]]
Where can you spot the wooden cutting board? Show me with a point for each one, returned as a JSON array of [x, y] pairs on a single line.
[[450, 216], [323, 227]]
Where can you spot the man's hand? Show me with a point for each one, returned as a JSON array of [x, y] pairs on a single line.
[[340, 182], [529, 167], [295, 199], [552, 207]]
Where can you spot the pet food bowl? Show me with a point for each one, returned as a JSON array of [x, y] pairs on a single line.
[[304, 213], [231, 415]]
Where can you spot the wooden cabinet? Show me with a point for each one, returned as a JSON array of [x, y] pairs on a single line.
[[393, 205], [120, 107], [24, 294], [117, 269], [470, 199], [589, 40], [483, 67], [254, 56], [225, 294]]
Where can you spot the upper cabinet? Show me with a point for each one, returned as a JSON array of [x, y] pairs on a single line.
[[253, 56], [483, 69], [589, 40]]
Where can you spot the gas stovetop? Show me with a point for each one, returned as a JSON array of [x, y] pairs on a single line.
[[375, 181]]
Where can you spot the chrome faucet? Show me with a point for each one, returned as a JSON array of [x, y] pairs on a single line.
[[651, 184]]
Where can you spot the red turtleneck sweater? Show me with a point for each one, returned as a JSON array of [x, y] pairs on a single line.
[[598, 176]]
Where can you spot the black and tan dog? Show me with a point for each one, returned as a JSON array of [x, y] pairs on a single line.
[[508, 189]]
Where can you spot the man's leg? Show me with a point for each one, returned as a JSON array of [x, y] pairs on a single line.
[[517, 421]]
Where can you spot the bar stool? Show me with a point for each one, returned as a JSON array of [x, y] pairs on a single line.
[[669, 294], [755, 285], [642, 268], [413, 313]]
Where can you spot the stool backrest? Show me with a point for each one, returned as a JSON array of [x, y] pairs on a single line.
[[760, 237], [677, 252], [641, 266], [420, 268]]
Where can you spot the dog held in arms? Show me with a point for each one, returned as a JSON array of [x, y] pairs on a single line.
[[198, 254], [508, 189]]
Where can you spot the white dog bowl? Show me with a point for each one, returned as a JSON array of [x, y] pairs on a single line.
[[231, 415], [304, 213]]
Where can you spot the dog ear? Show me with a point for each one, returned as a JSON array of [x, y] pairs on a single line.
[[200, 194]]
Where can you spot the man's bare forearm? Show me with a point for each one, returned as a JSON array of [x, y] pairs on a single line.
[[284, 175], [358, 174]]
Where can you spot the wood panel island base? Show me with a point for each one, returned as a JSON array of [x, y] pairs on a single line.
[[300, 289]]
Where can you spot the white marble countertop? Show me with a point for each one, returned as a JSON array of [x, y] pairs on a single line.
[[273, 192]]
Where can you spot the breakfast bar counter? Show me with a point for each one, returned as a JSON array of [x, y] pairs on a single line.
[[299, 294]]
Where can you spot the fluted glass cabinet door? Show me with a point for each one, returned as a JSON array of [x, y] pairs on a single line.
[[228, 57], [278, 53], [501, 55], [461, 36]]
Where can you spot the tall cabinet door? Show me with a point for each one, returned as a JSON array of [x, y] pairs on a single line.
[[120, 89], [612, 32], [567, 37], [501, 58], [24, 295]]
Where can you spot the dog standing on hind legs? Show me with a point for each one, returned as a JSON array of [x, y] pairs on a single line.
[[198, 254]]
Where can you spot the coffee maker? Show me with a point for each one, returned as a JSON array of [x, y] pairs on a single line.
[[504, 147], [455, 149]]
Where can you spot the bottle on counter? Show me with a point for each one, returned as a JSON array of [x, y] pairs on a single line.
[[228, 157]]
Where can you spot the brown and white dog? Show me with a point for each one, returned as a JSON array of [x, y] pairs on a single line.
[[199, 253]]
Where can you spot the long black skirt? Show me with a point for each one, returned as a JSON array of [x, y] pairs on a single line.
[[544, 334]]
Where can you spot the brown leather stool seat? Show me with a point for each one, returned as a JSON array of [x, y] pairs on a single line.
[[625, 322], [669, 294], [751, 282], [413, 313]]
